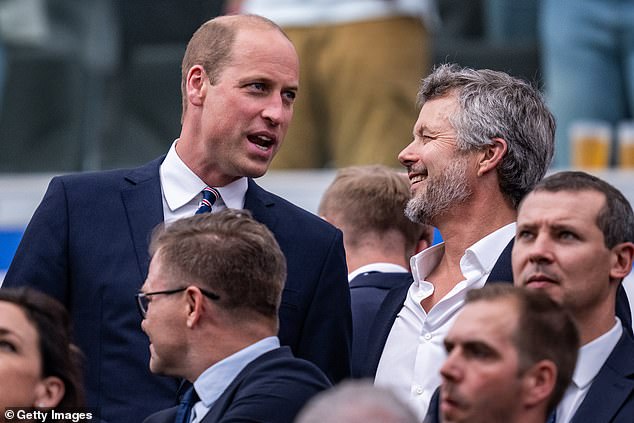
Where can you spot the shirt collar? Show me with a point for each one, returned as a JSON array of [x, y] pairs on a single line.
[[594, 354], [215, 380], [377, 267], [480, 257], [181, 185], [485, 253]]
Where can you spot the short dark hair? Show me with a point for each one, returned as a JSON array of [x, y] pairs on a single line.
[[540, 321], [615, 219], [212, 43], [496, 105], [228, 253], [372, 198], [60, 357]]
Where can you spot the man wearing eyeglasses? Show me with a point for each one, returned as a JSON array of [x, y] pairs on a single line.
[[209, 307]]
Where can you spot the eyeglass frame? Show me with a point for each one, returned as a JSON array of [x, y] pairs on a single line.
[[141, 296]]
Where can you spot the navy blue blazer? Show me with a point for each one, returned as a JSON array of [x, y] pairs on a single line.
[[611, 395], [87, 246], [367, 292], [391, 306], [272, 388]]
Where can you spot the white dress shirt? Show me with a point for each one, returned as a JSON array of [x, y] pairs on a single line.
[[182, 189], [377, 267], [215, 380], [414, 350], [591, 358]]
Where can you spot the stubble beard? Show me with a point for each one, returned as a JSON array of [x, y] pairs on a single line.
[[440, 194]]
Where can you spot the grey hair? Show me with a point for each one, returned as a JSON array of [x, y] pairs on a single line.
[[496, 105], [356, 401]]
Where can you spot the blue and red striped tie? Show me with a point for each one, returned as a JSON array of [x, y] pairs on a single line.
[[210, 196]]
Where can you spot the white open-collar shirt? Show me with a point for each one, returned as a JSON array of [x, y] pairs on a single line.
[[414, 350]]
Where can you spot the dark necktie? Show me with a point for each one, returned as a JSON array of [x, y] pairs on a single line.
[[553, 417], [210, 196], [190, 397]]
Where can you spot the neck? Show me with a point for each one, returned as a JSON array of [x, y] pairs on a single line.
[[388, 247], [471, 222], [215, 347], [594, 323], [195, 157]]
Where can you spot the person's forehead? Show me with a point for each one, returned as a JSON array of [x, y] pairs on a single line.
[[14, 320], [582, 207], [486, 321]]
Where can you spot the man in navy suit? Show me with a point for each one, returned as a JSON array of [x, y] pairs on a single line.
[[482, 140], [87, 243], [575, 241], [210, 305], [367, 203]]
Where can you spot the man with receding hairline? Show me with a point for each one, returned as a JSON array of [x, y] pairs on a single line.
[[87, 243], [575, 242]]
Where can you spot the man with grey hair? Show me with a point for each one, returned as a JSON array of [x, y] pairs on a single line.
[[356, 402], [482, 140]]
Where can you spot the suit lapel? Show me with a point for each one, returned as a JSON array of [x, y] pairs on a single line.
[[503, 270], [143, 203], [382, 325], [611, 387], [261, 205]]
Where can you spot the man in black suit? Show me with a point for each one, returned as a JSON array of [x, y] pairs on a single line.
[[87, 243], [482, 140], [575, 242], [210, 305], [367, 203]]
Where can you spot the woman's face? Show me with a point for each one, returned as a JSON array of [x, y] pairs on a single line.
[[20, 361]]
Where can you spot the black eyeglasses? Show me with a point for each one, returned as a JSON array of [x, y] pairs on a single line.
[[142, 300]]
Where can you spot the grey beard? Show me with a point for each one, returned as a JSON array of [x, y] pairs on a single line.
[[440, 194]]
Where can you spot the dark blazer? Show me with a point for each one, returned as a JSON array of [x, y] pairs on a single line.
[[391, 306], [87, 245], [272, 388], [611, 395], [367, 292]]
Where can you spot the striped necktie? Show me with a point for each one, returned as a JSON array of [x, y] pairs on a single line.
[[210, 196], [190, 397]]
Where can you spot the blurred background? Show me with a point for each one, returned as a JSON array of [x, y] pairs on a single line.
[[95, 84]]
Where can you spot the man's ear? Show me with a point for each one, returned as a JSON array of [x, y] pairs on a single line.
[[195, 305], [49, 392], [621, 261], [539, 383], [492, 155], [196, 89]]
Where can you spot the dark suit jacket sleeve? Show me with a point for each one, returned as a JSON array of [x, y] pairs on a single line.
[[41, 260], [327, 332]]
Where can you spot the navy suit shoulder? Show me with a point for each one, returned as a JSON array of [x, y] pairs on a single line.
[[87, 245], [272, 388], [315, 316], [367, 292], [611, 395]]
